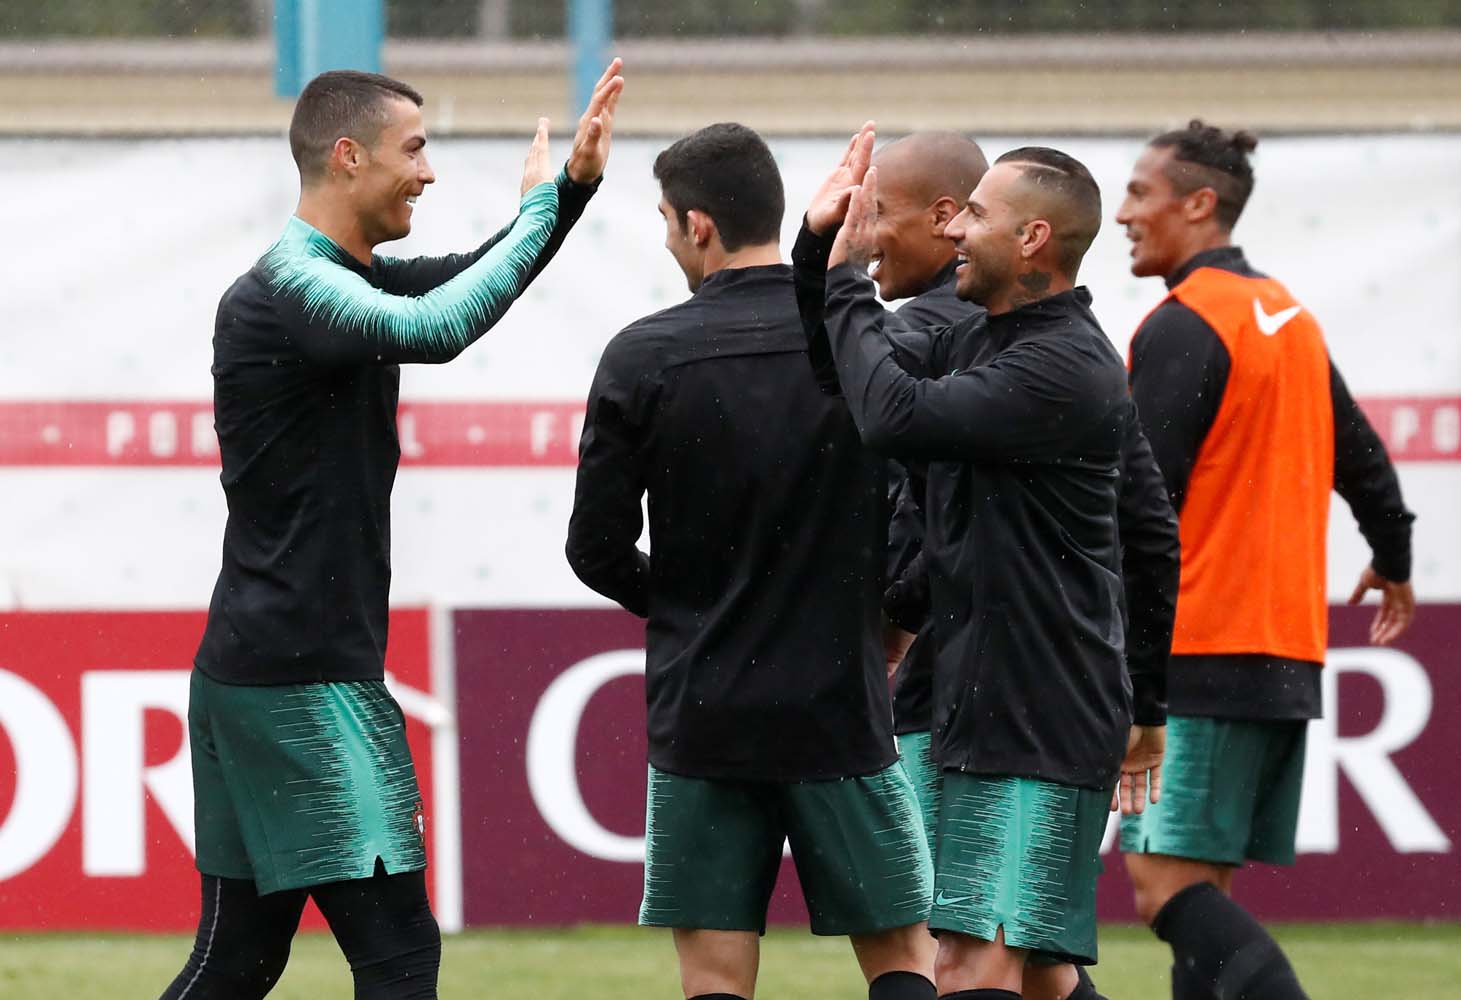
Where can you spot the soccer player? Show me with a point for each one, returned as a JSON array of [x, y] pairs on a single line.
[[1023, 428], [769, 718], [925, 178], [1252, 427], [923, 181], [303, 783]]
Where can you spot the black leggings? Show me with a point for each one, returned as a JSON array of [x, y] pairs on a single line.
[[383, 925]]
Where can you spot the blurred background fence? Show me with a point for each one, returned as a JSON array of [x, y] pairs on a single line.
[[502, 19], [789, 67]]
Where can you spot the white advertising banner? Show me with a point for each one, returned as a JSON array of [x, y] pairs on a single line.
[[120, 250]]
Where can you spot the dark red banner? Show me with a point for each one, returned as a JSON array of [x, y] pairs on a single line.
[[96, 799], [552, 712], [482, 434]]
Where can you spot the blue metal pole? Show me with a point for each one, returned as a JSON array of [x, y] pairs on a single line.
[[286, 48], [590, 29], [312, 36]]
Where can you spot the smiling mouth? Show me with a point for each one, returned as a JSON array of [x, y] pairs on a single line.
[[962, 258]]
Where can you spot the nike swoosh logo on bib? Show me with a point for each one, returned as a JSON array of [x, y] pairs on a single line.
[[1270, 325], [951, 900]]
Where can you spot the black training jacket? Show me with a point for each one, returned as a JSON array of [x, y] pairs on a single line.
[[306, 354], [1024, 443], [767, 527]]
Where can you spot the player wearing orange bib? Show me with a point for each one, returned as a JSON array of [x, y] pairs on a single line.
[[1252, 427]]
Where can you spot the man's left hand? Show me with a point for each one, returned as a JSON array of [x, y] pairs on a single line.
[[596, 127], [896, 643], [856, 241], [1397, 606]]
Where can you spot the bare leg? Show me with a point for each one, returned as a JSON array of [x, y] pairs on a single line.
[[1159, 877], [901, 949], [970, 963], [718, 961], [1050, 982]]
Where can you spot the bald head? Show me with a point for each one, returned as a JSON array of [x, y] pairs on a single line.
[[927, 166], [923, 180], [1058, 188]]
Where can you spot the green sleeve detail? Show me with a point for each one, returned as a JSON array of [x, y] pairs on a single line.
[[442, 321]]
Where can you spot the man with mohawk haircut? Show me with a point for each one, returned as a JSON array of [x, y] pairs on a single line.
[[1024, 437]]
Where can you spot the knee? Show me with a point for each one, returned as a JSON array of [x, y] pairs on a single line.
[[1149, 902], [901, 949], [949, 960], [1155, 881]]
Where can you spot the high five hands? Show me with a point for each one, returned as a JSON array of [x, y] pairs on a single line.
[[848, 198], [829, 204], [591, 141]]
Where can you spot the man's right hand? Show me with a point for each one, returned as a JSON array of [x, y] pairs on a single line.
[[1141, 771], [539, 167], [829, 204]]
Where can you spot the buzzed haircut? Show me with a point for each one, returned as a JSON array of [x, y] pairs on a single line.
[[1068, 187], [1206, 156], [726, 171], [342, 102], [934, 165]]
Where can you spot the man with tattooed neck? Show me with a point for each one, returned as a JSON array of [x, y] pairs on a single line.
[[1037, 722]]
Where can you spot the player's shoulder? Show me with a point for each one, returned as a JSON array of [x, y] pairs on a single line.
[[1172, 321], [649, 340], [248, 293]]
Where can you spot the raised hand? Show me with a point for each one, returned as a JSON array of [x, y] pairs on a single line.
[[1141, 771], [596, 127], [829, 204], [1397, 606], [857, 240], [538, 167]]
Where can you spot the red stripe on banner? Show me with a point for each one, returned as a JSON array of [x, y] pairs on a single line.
[[484, 435], [167, 433]]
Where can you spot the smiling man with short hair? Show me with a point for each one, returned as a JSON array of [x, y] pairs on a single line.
[[303, 783], [1252, 427]]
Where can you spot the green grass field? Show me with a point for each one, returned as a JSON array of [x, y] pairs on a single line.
[[1365, 961]]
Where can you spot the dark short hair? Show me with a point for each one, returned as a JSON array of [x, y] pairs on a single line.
[[726, 171], [342, 102], [1211, 157], [1066, 185]]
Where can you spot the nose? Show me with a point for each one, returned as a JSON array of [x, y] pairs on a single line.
[[954, 228], [424, 172], [1123, 214]]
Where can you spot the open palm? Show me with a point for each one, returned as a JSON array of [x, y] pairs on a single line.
[[829, 204], [596, 127]]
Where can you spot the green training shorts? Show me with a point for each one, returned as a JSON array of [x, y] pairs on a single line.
[[713, 847], [1230, 793], [916, 751], [299, 784], [1021, 854]]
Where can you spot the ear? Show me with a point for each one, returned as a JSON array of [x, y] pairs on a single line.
[[940, 213], [1037, 237], [1200, 205], [700, 228], [347, 155]]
